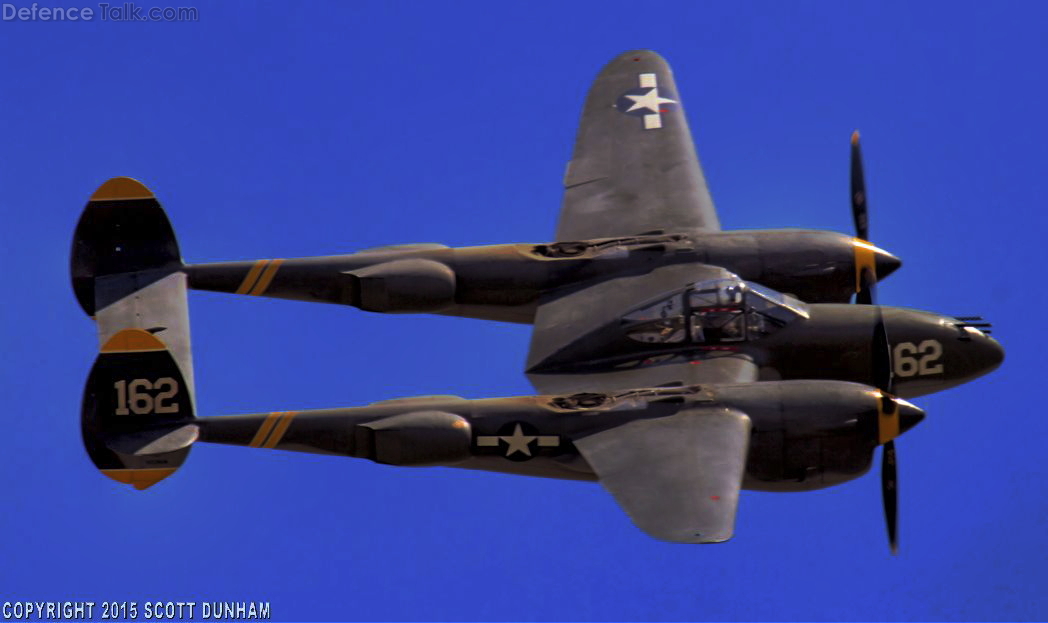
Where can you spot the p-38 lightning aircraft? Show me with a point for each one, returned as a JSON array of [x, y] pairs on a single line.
[[676, 363]]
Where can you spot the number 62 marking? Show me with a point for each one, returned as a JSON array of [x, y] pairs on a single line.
[[906, 364]]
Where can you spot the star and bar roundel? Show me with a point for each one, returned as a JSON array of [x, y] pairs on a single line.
[[517, 441], [647, 101]]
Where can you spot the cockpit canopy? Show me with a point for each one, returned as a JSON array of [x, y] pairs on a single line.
[[717, 311]]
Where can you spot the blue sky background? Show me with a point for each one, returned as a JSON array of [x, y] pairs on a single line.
[[283, 130]]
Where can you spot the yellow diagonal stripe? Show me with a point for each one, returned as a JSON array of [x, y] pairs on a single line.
[[252, 276], [266, 278], [263, 430], [281, 428]]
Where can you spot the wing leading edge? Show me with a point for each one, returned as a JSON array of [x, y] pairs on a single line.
[[634, 168]]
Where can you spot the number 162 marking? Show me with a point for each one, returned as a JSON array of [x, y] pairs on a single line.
[[133, 396]]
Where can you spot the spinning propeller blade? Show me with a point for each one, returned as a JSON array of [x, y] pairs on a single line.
[[890, 493], [871, 262], [884, 380], [858, 190], [880, 349]]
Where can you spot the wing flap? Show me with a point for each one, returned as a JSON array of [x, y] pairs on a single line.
[[677, 477]]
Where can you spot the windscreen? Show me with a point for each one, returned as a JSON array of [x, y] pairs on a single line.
[[718, 311]]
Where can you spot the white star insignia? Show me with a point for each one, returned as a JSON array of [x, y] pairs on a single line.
[[518, 442], [649, 100]]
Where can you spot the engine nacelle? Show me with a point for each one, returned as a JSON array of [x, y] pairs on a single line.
[[814, 266], [419, 438], [404, 287], [807, 434], [802, 463]]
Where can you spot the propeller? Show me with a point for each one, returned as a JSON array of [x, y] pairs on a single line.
[[860, 214], [883, 377], [871, 263], [884, 380], [858, 190]]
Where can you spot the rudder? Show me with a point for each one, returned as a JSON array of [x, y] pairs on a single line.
[[127, 275], [137, 415], [123, 229]]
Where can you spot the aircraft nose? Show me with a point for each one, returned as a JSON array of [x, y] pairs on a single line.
[[932, 352], [991, 353], [985, 354], [884, 263]]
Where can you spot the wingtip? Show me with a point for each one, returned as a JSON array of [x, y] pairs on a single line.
[[720, 538], [639, 52], [639, 55]]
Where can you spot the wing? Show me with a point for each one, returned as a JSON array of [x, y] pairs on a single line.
[[711, 368], [634, 169], [677, 477], [560, 322]]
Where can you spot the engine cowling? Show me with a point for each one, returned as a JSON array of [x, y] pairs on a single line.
[[813, 434], [814, 266], [801, 463]]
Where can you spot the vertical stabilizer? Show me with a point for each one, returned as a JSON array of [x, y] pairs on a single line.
[[127, 274]]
